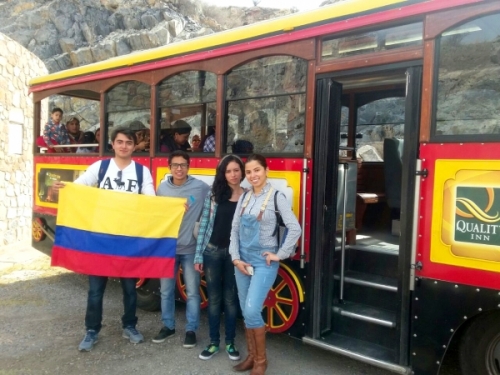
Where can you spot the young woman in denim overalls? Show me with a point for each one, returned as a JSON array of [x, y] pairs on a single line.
[[255, 253]]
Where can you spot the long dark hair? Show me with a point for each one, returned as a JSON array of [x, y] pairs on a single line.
[[221, 191]]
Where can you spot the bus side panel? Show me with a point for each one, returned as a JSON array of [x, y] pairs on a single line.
[[439, 309], [459, 220]]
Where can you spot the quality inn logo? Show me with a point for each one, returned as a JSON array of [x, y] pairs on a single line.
[[477, 215]]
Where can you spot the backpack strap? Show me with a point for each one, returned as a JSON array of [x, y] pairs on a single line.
[[102, 171], [139, 171], [278, 216]]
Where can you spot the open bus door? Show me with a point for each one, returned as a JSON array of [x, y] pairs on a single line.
[[360, 269]]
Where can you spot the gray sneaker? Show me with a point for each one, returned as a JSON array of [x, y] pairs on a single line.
[[88, 341], [133, 335]]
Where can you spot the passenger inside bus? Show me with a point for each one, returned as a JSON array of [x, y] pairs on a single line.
[[54, 132], [195, 143], [74, 132], [88, 138], [208, 143], [177, 138], [143, 137], [242, 147]]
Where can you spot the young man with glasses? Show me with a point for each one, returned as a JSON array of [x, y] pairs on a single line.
[[121, 174], [180, 184]]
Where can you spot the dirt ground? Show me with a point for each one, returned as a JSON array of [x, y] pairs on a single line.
[[42, 314]]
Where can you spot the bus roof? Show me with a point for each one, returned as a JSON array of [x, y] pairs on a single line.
[[276, 26]]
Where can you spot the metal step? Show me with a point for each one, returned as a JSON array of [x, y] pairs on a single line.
[[366, 313], [359, 350], [370, 281]]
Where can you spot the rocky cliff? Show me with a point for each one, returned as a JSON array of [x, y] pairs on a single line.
[[70, 33]]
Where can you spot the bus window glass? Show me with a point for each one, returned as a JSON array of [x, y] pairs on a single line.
[[372, 41], [377, 120], [128, 105], [266, 105], [187, 109], [468, 92]]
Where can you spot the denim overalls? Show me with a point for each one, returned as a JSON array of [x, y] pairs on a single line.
[[252, 290]]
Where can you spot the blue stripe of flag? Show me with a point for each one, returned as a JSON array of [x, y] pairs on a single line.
[[109, 244]]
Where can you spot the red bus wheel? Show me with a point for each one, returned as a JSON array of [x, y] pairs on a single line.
[[282, 304], [37, 229], [181, 287]]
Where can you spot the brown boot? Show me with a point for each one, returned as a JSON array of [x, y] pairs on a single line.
[[260, 359], [247, 364]]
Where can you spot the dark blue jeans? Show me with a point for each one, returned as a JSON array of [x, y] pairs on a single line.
[[97, 286], [221, 288]]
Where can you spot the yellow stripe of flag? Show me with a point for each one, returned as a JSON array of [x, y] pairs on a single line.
[[110, 212]]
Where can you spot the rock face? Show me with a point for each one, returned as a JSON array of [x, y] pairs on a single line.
[[17, 67], [70, 33]]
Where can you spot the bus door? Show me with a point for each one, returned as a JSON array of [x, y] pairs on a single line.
[[366, 139]]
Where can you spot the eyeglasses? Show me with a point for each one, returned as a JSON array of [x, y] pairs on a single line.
[[177, 166]]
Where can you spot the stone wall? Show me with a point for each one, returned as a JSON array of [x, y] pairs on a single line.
[[17, 67]]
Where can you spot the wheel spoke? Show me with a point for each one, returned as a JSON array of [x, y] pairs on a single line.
[[285, 301], [281, 314]]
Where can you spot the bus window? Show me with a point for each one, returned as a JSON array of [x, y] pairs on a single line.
[[128, 105], [266, 104], [372, 41], [80, 117], [468, 90], [190, 97], [377, 120]]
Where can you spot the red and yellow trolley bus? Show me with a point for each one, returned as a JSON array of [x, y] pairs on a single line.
[[381, 123]]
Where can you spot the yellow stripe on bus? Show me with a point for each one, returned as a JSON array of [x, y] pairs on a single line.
[[282, 24]]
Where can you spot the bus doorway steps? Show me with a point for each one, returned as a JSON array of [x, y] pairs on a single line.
[[370, 353], [368, 311]]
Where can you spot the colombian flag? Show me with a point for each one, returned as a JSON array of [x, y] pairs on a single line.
[[106, 233]]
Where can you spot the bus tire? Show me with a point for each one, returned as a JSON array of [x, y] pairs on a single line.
[[37, 232], [480, 346], [147, 299]]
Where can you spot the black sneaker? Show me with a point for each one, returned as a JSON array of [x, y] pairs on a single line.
[[209, 351], [190, 340], [164, 334], [232, 352]]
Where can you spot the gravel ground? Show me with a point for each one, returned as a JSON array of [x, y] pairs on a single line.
[[42, 312]]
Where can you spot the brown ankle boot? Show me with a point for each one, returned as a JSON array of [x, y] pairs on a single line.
[[247, 364], [260, 359]]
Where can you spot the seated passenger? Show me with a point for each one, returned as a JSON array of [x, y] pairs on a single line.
[[88, 137], [178, 137], [143, 137], [54, 133], [242, 146], [195, 143], [74, 132], [208, 143]]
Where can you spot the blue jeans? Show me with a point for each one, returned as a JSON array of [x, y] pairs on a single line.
[[221, 287], [167, 289], [97, 286], [252, 290]]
